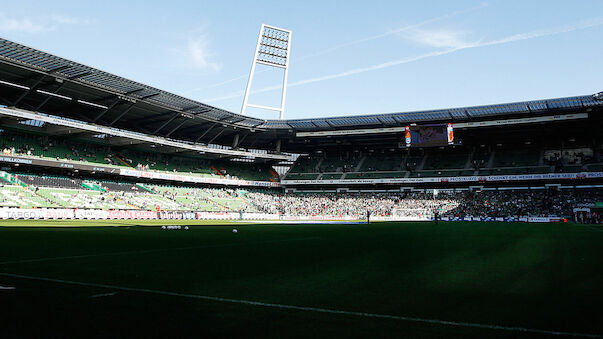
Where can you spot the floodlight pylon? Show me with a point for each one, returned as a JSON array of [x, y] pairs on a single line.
[[273, 50]]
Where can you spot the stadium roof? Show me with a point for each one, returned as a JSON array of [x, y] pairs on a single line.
[[39, 81]]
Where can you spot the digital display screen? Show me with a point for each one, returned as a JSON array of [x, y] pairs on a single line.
[[429, 135]]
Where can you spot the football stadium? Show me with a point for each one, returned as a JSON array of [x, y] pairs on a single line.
[[127, 210]]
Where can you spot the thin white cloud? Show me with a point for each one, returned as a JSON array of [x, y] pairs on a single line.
[[199, 53], [594, 22], [24, 25], [438, 38], [63, 19], [37, 25], [355, 42]]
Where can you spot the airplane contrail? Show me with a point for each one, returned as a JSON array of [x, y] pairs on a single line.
[[394, 31], [351, 43], [594, 22]]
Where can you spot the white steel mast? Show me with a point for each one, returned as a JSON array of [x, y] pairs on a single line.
[[272, 49]]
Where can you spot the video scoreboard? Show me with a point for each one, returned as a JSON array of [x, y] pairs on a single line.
[[428, 135]]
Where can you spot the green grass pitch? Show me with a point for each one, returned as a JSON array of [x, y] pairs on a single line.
[[419, 280]]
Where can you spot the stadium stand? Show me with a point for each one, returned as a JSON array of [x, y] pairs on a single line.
[[451, 162], [20, 144], [56, 192], [546, 153]]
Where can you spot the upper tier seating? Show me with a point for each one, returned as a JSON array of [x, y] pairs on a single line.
[[445, 159], [446, 162], [338, 164], [83, 151], [382, 162]]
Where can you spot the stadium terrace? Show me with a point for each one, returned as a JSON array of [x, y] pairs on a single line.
[[130, 211]]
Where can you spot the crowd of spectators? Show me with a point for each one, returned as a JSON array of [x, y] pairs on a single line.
[[531, 203], [564, 203], [324, 204], [534, 203], [57, 148]]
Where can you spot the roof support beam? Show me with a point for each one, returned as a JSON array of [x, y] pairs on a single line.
[[216, 136], [240, 141], [37, 84], [49, 97], [149, 119], [256, 139], [205, 133], [175, 128], [5, 101], [193, 130], [106, 110], [122, 114], [31, 89], [167, 122]]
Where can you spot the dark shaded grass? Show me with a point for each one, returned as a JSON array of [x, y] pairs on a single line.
[[544, 276]]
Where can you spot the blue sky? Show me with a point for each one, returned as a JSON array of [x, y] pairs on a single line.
[[348, 57]]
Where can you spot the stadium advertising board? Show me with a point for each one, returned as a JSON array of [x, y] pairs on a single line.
[[119, 214], [467, 179], [51, 213], [36, 213], [21, 213], [402, 218], [505, 219], [260, 216], [177, 215], [90, 214], [218, 215], [196, 179], [16, 160], [544, 219], [319, 217]]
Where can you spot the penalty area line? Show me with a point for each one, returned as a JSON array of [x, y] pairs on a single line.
[[310, 309]]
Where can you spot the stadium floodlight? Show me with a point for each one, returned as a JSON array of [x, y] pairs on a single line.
[[92, 104], [273, 49], [54, 94], [13, 85]]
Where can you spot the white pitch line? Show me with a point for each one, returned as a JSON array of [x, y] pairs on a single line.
[[100, 295], [313, 309], [152, 250], [7, 288]]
